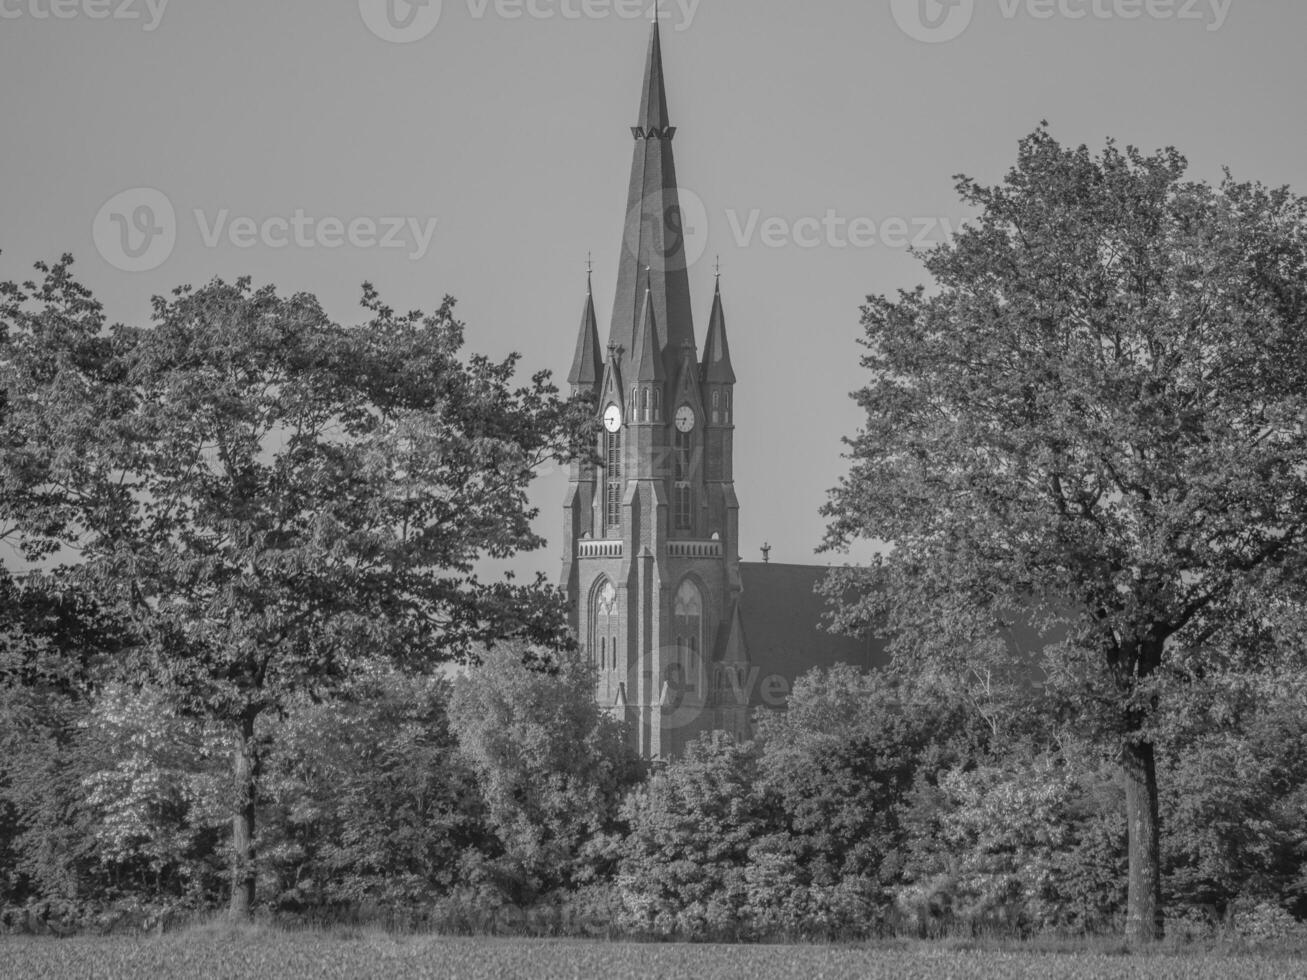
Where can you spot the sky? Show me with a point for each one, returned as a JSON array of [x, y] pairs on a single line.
[[481, 149]]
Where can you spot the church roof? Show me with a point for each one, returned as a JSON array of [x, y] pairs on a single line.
[[716, 350], [588, 365], [653, 242], [782, 617]]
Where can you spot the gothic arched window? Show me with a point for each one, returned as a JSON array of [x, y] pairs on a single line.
[[687, 624], [683, 493], [613, 479], [604, 619]]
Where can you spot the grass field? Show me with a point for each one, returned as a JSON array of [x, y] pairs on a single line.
[[210, 954]]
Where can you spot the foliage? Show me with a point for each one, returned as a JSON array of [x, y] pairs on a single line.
[[1235, 798], [869, 806], [842, 761], [1095, 423], [694, 826], [366, 809], [52, 637], [1006, 829], [551, 764], [272, 500], [1266, 922], [60, 385], [155, 788], [370, 806], [48, 857]]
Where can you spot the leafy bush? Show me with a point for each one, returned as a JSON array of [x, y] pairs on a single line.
[[370, 805], [154, 789], [1265, 922], [842, 762], [550, 764], [1235, 798], [687, 865], [1003, 826]]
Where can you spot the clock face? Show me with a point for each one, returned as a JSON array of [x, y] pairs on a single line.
[[685, 419], [612, 418]]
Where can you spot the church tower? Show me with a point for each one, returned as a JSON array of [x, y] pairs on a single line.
[[651, 533]]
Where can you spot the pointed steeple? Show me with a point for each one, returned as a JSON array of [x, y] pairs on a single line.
[[716, 350], [648, 358], [656, 230], [588, 365], [653, 102]]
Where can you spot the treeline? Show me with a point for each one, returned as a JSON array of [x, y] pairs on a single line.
[[237, 544], [505, 800]]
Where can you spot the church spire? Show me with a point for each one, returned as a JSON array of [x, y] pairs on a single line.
[[653, 264], [587, 365], [648, 358], [716, 350], [653, 101]]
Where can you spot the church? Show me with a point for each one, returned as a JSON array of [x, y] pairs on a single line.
[[686, 637]]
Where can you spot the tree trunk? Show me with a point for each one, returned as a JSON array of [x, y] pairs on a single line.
[[245, 784], [1144, 920]]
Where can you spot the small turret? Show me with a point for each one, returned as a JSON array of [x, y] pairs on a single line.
[[587, 365], [648, 370], [717, 368], [648, 358]]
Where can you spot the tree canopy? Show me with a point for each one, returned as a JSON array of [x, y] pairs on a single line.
[[267, 499], [1093, 424]]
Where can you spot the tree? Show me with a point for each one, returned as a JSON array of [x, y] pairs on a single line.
[[58, 387], [1015, 841], [1234, 797], [694, 829], [370, 804], [552, 765], [270, 498], [843, 759], [54, 642], [1096, 424], [152, 788]]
